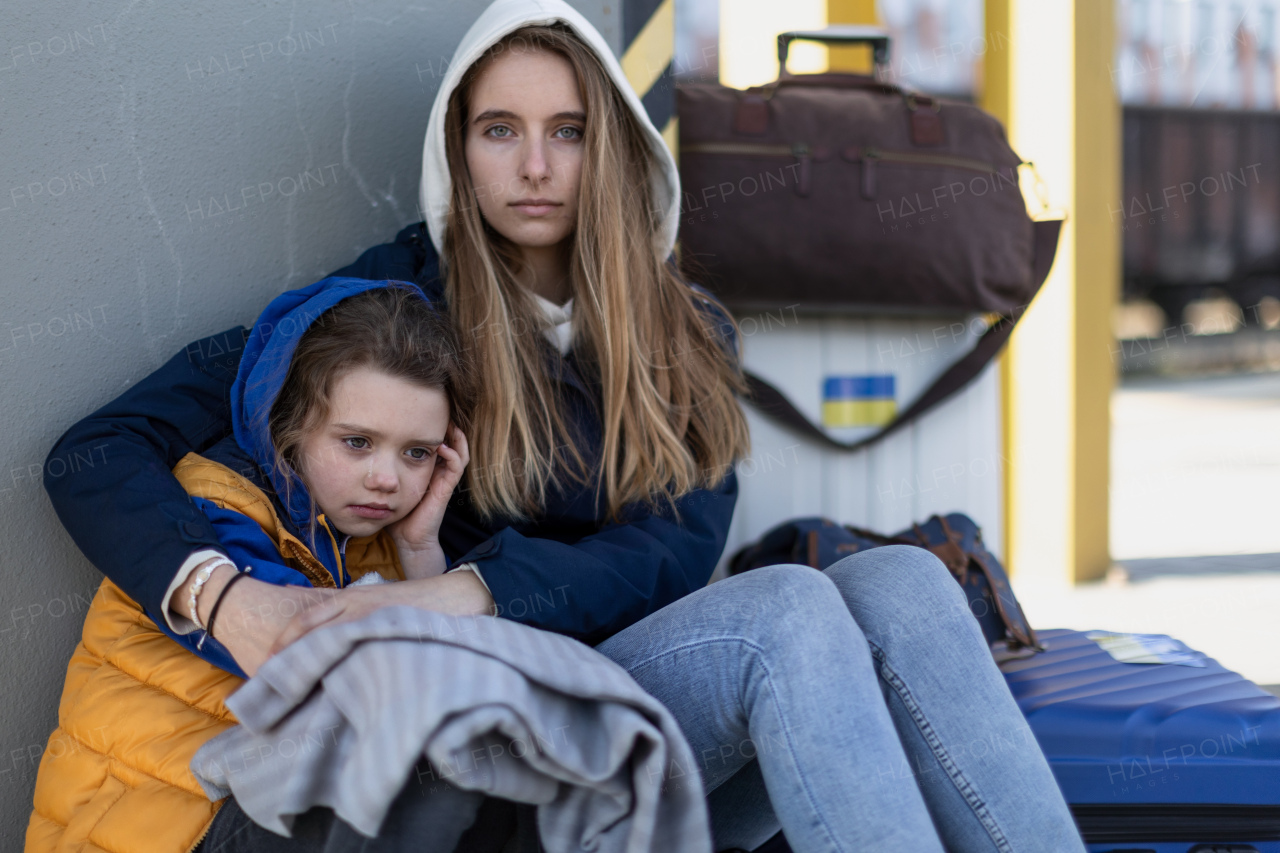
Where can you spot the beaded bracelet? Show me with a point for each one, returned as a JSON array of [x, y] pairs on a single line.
[[202, 577]]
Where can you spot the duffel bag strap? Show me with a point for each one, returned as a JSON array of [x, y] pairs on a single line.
[[774, 404]]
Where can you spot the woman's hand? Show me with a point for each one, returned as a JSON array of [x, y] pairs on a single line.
[[455, 593], [417, 534], [254, 614]]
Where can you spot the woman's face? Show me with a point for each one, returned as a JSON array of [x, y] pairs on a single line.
[[524, 146], [370, 462]]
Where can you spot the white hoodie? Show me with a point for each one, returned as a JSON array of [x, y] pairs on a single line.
[[501, 18]]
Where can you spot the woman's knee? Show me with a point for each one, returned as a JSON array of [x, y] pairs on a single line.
[[781, 588], [769, 604], [753, 608], [897, 585]]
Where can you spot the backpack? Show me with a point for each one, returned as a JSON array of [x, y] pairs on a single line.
[[955, 539]]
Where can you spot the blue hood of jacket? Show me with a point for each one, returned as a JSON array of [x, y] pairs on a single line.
[[263, 367]]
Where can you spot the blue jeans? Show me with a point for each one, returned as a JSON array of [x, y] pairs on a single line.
[[858, 709]]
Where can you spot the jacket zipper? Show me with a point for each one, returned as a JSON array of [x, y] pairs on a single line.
[[204, 832], [342, 555], [867, 156], [337, 552], [309, 564]]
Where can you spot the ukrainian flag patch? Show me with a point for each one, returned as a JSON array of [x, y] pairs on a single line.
[[854, 401]]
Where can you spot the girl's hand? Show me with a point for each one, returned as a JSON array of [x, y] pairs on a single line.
[[417, 534], [255, 614]]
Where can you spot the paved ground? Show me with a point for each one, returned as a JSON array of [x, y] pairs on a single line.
[[1195, 519]]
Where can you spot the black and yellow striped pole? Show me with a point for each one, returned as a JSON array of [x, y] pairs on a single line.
[[648, 51]]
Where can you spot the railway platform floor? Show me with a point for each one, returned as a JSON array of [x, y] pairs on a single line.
[[1195, 522]]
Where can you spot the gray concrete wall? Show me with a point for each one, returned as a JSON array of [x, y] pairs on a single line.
[[165, 169]]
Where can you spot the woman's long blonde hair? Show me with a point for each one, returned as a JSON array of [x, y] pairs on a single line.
[[658, 349]]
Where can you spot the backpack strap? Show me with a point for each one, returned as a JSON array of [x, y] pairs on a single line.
[[1015, 621], [950, 552]]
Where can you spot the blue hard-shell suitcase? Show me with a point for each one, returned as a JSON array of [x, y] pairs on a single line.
[[1154, 757]]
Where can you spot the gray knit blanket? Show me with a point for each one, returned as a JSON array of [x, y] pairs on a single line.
[[342, 717]]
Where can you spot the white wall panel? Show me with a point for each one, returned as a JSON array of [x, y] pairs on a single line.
[[948, 461]]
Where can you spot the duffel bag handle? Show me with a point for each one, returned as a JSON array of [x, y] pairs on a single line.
[[838, 80], [877, 37], [752, 113]]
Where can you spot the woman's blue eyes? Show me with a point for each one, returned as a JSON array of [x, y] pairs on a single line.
[[356, 442], [493, 131], [419, 453]]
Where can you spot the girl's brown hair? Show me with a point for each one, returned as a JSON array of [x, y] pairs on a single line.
[[670, 418], [390, 329]]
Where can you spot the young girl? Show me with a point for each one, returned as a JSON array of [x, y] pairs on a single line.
[[349, 413], [857, 708]]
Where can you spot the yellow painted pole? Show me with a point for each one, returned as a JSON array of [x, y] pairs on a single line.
[[857, 58], [993, 96], [1045, 74], [1098, 270], [993, 87]]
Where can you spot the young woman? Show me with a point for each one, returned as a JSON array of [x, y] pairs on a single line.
[[858, 709]]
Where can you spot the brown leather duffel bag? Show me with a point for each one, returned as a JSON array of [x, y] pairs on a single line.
[[840, 191]]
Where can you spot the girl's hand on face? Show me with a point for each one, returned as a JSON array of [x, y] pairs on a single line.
[[417, 534]]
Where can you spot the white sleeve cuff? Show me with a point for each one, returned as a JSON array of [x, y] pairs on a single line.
[[181, 624], [472, 567]]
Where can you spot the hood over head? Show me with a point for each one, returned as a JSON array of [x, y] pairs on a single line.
[[268, 351], [506, 16]]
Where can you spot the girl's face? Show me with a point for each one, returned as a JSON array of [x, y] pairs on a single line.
[[370, 463], [524, 146]]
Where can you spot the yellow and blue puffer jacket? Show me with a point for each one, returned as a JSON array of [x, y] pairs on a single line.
[[136, 705], [139, 700]]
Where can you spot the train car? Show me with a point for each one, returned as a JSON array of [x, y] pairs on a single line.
[[1200, 208]]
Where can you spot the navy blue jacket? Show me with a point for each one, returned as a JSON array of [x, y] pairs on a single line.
[[566, 570]]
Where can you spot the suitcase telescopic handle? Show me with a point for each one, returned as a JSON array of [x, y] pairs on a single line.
[[877, 37]]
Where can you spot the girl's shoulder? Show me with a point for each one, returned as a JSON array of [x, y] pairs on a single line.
[[228, 477]]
